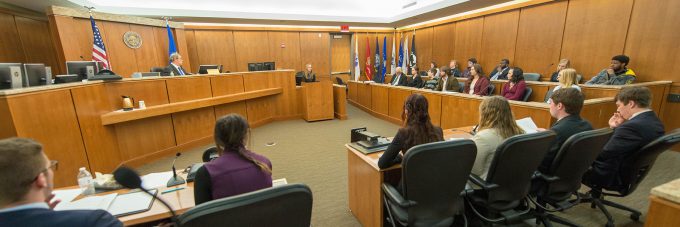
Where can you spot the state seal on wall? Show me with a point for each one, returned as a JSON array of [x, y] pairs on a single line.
[[132, 39]]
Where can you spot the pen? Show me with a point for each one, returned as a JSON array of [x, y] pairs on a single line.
[[172, 190]]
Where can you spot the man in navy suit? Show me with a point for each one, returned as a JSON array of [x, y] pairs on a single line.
[[635, 125], [26, 190]]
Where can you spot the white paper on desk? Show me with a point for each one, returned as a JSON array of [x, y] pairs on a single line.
[[90, 203], [66, 196], [156, 180], [455, 138], [279, 182], [131, 202], [527, 124]]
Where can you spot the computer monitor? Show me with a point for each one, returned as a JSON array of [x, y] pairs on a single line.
[[269, 66], [259, 66], [62, 79], [252, 67], [11, 75], [36, 75], [203, 69], [150, 74], [84, 69]]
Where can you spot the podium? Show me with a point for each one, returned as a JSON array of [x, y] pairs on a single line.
[[317, 101]]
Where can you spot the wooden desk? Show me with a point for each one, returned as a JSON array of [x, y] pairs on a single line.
[[317, 101], [365, 178], [662, 212], [80, 124]]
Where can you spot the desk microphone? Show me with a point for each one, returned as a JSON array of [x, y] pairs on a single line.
[[175, 180], [130, 179]]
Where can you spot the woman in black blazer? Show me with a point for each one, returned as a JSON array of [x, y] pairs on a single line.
[[417, 129]]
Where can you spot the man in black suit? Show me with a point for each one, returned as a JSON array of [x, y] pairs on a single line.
[[399, 79], [501, 72], [26, 190], [175, 67], [565, 106], [635, 125]]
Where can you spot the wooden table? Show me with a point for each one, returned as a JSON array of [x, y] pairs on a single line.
[[365, 178], [662, 212]]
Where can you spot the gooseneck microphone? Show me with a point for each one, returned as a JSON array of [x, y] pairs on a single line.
[[130, 179], [175, 180]]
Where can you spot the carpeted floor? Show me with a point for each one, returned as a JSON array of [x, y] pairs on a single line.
[[314, 154]]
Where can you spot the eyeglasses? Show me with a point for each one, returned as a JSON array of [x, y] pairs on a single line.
[[54, 165]]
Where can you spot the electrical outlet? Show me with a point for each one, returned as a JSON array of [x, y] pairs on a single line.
[[673, 98]]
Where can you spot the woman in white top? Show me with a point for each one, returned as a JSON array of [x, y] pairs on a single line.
[[496, 123], [567, 78]]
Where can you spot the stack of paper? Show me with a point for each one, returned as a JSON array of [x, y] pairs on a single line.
[[279, 182], [88, 203], [156, 180], [527, 124], [116, 204]]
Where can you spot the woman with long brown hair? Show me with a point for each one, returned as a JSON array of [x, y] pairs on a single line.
[[477, 84], [237, 170], [417, 129], [496, 123]]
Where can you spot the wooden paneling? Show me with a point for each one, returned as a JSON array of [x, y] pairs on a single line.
[[662, 212], [424, 47], [352, 87], [226, 85], [145, 136], [458, 112], [654, 56], [259, 110], [81, 32], [584, 43], [340, 102], [192, 51], [341, 60], [152, 92], [442, 45], [10, 43], [468, 42], [36, 42], [250, 47], [364, 95], [378, 104], [180, 42], [216, 47], [121, 58], [315, 50], [284, 48], [147, 55], [670, 112], [539, 37], [28, 113], [396, 98], [285, 104], [7, 129], [100, 142], [193, 124], [498, 39], [237, 108]]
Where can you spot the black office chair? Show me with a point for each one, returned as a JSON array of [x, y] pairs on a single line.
[[286, 205], [462, 87], [548, 95], [633, 170], [209, 154], [433, 175], [563, 179], [490, 89], [162, 70], [509, 178], [527, 93], [340, 81]]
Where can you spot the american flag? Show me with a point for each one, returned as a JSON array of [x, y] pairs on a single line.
[[98, 48]]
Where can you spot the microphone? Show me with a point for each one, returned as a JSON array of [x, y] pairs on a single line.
[[175, 180], [130, 179]]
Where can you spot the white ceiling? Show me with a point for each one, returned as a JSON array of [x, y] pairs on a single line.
[[384, 13]]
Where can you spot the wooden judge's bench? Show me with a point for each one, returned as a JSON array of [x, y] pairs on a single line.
[[82, 124]]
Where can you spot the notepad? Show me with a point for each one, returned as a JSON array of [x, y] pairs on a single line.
[[527, 124], [116, 204], [279, 182]]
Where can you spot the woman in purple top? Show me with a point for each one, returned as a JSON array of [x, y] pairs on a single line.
[[237, 170], [515, 88]]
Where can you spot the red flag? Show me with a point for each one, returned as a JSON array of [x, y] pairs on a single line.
[[369, 69]]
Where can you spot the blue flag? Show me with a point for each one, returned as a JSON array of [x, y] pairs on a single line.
[[384, 60], [171, 41], [401, 54], [376, 64]]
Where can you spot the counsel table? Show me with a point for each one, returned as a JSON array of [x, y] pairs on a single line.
[[364, 180]]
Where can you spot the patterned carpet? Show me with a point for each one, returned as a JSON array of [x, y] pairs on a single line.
[[314, 154]]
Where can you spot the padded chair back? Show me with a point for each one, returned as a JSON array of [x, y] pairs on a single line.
[[513, 165], [162, 70], [461, 87], [548, 95], [286, 205], [339, 80], [490, 89], [531, 76], [578, 78], [635, 167], [433, 176], [527, 93], [209, 154], [573, 160]]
